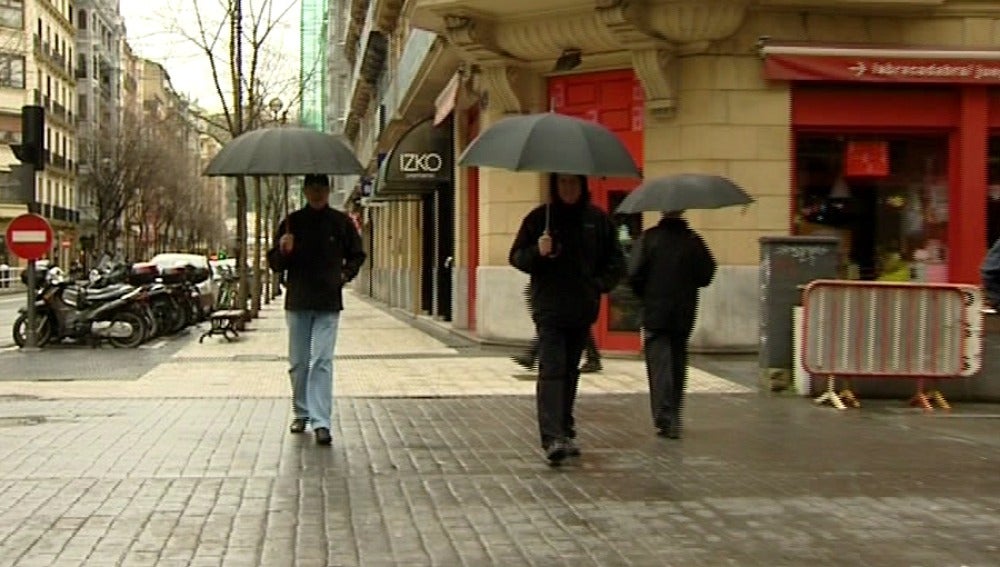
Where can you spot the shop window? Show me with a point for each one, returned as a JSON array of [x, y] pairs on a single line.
[[993, 191], [885, 197]]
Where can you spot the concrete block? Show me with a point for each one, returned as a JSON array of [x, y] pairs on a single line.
[[501, 309]]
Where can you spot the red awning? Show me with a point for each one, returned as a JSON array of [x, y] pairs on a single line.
[[881, 65]]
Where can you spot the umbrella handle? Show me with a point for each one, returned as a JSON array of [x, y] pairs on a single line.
[[288, 217]]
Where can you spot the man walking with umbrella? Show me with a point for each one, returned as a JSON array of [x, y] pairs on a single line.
[[570, 250], [671, 264], [666, 269], [319, 250]]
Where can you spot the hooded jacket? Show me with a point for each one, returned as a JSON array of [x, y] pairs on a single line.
[[326, 255], [665, 271], [566, 286]]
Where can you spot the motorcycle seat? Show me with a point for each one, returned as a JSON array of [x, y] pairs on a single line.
[[107, 293]]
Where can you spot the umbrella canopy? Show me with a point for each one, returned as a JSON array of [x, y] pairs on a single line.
[[682, 192], [285, 151], [551, 142]]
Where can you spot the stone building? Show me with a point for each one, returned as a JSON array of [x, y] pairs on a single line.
[[878, 122]]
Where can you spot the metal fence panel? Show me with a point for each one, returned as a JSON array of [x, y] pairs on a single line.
[[892, 329]]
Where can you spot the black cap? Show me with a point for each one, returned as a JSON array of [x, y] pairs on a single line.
[[316, 180]]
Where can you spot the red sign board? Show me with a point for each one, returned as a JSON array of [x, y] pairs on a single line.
[[866, 159], [881, 69], [29, 237]]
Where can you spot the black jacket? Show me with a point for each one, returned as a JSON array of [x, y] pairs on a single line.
[[669, 264], [566, 288], [327, 254]]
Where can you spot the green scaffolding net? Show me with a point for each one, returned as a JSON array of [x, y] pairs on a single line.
[[313, 71]]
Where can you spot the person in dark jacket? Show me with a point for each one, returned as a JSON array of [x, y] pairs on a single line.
[[569, 249], [528, 359], [669, 266], [318, 250], [990, 272]]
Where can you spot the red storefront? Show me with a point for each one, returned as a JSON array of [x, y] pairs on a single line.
[[898, 152]]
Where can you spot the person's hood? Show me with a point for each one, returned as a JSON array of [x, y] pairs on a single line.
[[554, 192], [678, 224]]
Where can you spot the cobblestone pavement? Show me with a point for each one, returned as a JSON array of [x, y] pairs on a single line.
[[191, 464]]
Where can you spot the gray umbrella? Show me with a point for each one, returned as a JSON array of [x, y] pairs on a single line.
[[684, 191], [551, 142], [285, 151]]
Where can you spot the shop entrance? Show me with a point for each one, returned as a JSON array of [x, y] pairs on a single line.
[[885, 196], [615, 100], [438, 242]]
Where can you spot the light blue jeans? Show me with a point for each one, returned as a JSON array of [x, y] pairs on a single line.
[[311, 339]]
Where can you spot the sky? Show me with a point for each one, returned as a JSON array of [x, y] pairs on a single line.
[[156, 30]]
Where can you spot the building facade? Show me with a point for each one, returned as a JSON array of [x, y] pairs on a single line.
[[101, 49], [878, 122], [39, 55]]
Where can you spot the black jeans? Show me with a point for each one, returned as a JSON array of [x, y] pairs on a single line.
[[559, 350], [666, 368]]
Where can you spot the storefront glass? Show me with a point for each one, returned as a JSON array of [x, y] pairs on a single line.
[[886, 197], [993, 192], [623, 306]]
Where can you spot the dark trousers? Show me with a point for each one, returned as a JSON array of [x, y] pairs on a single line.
[[593, 355], [666, 368], [559, 350]]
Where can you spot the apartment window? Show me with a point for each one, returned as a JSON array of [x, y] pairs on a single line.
[[12, 14], [81, 19], [11, 71]]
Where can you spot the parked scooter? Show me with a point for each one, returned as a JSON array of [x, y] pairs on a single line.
[[65, 309]]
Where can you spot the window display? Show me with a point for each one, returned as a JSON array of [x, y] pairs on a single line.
[[993, 192], [885, 197]]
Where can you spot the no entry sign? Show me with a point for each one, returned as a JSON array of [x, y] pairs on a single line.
[[29, 236]]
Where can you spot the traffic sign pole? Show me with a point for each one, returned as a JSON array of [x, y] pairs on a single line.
[[31, 342]]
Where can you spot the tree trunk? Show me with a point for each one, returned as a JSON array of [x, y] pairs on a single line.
[[257, 227], [241, 243]]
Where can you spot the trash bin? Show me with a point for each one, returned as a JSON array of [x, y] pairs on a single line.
[[787, 263]]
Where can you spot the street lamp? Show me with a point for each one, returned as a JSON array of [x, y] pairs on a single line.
[[275, 105]]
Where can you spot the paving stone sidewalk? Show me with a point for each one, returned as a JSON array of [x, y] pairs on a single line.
[[435, 462]]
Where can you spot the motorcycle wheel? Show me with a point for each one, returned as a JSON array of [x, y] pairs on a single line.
[[42, 335], [139, 330]]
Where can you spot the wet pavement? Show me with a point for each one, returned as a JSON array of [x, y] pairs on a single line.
[[434, 462]]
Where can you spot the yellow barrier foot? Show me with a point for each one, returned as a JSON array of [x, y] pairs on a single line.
[[847, 395], [830, 396], [939, 398]]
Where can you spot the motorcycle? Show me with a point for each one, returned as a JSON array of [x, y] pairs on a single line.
[[66, 309]]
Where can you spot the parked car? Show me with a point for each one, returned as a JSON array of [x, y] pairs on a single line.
[[207, 284]]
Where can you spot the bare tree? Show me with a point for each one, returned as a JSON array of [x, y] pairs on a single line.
[[243, 34], [129, 161]]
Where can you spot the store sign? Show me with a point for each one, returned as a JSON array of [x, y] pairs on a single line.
[[421, 161], [866, 159], [881, 69]]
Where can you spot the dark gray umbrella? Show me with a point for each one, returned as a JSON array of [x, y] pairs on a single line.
[[285, 151], [551, 142], [684, 191]]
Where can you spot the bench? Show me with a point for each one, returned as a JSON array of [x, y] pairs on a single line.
[[225, 322]]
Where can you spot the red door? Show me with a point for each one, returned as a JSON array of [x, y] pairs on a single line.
[[615, 99]]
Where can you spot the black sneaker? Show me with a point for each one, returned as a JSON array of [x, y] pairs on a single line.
[[572, 449], [524, 360], [298, 425], [672, 431], [556, 452], [323, 436], [590, 367]]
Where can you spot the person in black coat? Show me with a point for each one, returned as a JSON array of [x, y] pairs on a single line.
[[318, 250], [666, 271], [570, 250]]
